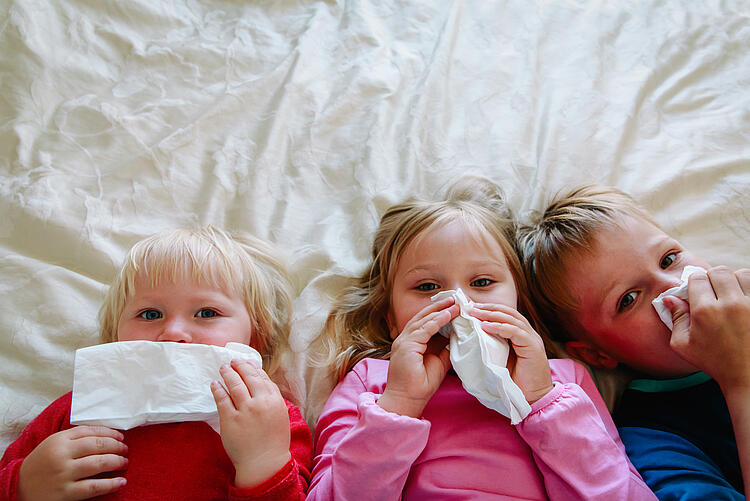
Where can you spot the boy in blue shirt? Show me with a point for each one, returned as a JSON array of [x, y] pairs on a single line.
[[595, 260]]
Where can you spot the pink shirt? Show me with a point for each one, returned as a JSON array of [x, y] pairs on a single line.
[[566, 448]]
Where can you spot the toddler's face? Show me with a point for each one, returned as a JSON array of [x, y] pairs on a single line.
[[444, 258], [185, 312], [615, 281]]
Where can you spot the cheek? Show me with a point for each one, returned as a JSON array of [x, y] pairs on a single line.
[[505, 296], [402, 311], [126, 331]]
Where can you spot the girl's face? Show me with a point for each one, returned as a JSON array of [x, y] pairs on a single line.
[[615, 280], [184, 312], [448, 257]]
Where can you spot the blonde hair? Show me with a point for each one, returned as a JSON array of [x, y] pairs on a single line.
[[356, 327], [235, 262], [566, 229]]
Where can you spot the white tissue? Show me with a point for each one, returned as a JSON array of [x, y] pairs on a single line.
[[127, 384], [480, 361], [679, 291]]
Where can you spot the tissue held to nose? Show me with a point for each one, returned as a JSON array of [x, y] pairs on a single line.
[[149, 383], [480, 361], [679, 291]]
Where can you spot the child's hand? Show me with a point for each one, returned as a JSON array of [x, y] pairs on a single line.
[[530, 369], [254, 423], [416, 370], [713, 331], [61, 466]]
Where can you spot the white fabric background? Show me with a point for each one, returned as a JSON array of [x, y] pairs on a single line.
[[302, 121]]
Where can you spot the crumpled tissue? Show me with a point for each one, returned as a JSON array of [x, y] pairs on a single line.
[[131, 383], [680, 291], [480, 361]]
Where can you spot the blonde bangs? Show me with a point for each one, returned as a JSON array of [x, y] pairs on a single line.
[[238, 264]]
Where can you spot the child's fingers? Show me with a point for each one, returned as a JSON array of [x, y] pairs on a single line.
[[518, 336], [93, 487], [724, 283], [92, 445], [433, 308], [222, 399], [680, 311], [422, 329], [499, 313], [93, 431], [235, 386], [699, 288], [93, 465], [256, 380]]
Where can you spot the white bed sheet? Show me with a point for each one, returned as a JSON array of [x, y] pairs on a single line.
[[302, 121]]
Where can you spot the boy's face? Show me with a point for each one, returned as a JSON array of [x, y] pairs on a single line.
[[447, 257], [614, 281], [185, 312]]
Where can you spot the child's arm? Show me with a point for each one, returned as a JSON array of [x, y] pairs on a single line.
[[575, 442], [363, 451], [267, 440], [47, 463], [713, 333]]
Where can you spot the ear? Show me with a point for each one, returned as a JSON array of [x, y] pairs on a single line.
[[592, 356]]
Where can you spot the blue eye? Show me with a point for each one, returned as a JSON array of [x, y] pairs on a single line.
[[150, 314], [482, 282], [627, 300], [667, 260], [207, 313], [427, 287]]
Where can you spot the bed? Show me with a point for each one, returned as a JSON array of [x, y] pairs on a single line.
[[300, 122]]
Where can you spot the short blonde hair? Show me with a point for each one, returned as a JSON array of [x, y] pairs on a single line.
[[356, 328], [235, 262], [564, 230]]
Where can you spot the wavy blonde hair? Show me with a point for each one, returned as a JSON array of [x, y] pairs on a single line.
[[356, 327], [234, 262], [563, 231]]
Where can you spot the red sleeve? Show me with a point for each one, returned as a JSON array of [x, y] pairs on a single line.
[[54, 418], [291, 481]]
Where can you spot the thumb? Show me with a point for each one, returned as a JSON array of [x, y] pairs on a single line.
[[680, 311]]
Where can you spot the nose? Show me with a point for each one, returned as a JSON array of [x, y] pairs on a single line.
[[666, 279], [175, 330]]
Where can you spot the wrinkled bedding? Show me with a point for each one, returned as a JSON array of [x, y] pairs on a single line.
[[302, 121]]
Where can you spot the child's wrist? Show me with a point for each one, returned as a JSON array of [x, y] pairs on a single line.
[[536, 395], [259, 470], [403, 406]]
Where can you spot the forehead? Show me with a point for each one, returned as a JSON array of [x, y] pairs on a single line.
[[454, 235], [185, 278]]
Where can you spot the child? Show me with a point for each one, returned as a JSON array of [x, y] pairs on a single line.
[[405, 427], [191, 286], [595, 261]]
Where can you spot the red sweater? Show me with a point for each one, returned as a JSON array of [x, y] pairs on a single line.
[[181, 461]]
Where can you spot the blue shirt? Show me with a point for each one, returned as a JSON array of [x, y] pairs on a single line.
[[678, 434]]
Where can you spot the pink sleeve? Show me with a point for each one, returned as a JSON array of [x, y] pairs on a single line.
[[575, 442], [363, 451]]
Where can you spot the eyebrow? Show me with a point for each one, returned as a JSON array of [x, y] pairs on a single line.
[[477, 263]]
